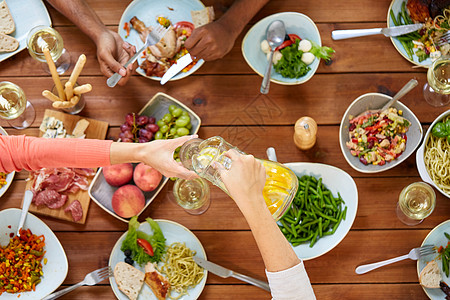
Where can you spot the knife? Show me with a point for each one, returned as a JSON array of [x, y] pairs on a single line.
[[392, 31], [181, 63], [225, 273]]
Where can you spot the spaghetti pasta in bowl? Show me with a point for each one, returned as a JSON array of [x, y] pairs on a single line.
[[433, 158]]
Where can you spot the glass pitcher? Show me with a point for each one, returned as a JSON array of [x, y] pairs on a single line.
[[281, 183]]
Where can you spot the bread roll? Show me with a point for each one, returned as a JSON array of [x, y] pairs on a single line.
[[430, 276], [6, 20], [202, 17], [129, 279], [8, 43]]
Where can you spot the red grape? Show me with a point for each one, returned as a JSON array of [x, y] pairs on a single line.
[[129, 118], [141, 120], [125, 127], [152, 127], [143, 140], [151, 120], [146, 134], [126, 140]]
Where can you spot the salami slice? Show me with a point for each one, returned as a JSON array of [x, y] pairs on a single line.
[[76, 210]]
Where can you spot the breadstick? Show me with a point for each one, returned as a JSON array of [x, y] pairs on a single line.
[[50, 96], [82, 89], [68, 90], [77, 69], [62, 104], [74, 100], [55, 75]]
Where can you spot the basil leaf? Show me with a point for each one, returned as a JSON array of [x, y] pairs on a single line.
[[440, 130]]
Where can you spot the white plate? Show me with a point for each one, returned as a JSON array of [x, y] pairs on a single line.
[[437, 238], [26, 16], [295, 23], [10, 176], [396, 6], [147, 11], [55, 271], [173, 232], [336, 181]]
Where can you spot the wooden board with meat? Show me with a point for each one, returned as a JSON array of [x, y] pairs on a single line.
[[62, 193]]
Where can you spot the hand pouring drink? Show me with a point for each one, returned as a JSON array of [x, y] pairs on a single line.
[[281, 183]]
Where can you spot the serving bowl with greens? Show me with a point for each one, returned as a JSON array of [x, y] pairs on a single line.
[[289, 69]]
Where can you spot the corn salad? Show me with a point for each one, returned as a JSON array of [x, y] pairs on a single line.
[[2, 179]]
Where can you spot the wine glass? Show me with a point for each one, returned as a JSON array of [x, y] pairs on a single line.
[[415, 203], [14, 106], [41, 37], [436, 91], [192, 195]]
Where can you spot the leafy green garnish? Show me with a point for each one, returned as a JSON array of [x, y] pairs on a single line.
[[442, 130], [291, 65], [157, 240], [321, 52]]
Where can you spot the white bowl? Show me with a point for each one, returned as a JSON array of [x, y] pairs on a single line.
[[55, 271], [295, 23], [420, 153], [337, 181], [375, 101]]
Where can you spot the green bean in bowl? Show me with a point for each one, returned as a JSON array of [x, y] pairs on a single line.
[[314, 213]]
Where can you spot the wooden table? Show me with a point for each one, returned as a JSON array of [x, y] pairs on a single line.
[[225, 94]]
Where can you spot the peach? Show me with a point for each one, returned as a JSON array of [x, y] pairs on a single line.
[[118, 175], [146, 177], [128, 201]]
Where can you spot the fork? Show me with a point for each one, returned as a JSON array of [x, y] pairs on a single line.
[[414, 254], [444, 39], [91, 279], [153, 38]]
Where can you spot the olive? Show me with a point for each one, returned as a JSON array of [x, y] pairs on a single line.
[[129, 260], [127, 252]]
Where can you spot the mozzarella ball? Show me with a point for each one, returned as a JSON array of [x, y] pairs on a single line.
[[276, 57], [304, 46], [308, 58], [265, 46]]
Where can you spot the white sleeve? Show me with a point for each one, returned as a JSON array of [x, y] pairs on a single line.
[[291, 284]]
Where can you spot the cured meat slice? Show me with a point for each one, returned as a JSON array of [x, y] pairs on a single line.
[[50, 198], [75, 209]]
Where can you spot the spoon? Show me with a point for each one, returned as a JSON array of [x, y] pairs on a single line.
[[403, 91], [275, 37], [25, 206]]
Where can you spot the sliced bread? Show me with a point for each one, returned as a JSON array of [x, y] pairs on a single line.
[[6, 20], [8, 43], [129, 279], [430, 276], [202, 17]]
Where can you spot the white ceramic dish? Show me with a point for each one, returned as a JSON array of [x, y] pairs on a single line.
[[10, 176], [295, 23], [147, 11], [55, 271], [336, 181], [101, 192], [437, 238], [396, 6], [173, 232], [375, 101], [420, 155], [25, 17]]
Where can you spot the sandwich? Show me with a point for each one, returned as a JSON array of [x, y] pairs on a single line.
[[202, 17], [6, 20], [129, 279], [158, 283], [430, 276]]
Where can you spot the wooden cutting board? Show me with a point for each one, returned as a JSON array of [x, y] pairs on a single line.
[[96, 130]]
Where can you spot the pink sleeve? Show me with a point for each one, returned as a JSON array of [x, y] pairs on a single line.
[[31, 153]]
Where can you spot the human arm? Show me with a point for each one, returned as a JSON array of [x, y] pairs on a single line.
[[286, 273], [31, 153], [214, 40], [112, 51]]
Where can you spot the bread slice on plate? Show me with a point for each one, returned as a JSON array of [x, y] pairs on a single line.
[[158, 283], [129, 279], [202, 17], [430, 276], [6, 20], [8, 43]]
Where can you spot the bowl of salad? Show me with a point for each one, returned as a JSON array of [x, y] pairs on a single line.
[[297, 59], [373, 141]]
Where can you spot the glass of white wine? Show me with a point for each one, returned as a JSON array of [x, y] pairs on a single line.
[[14, 106], [192, 195], [437, 89], [415, 203], [41, 37]]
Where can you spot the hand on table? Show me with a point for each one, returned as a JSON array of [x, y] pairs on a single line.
[[113, 53], [211, 41]]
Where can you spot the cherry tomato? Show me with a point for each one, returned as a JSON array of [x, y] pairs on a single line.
[[184, 25], [294, 37], [286, 43], [146, 246]]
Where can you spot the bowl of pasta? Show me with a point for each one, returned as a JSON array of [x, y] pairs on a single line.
[[431, 158]]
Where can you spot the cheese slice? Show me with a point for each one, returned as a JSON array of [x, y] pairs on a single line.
[[80, 128]]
